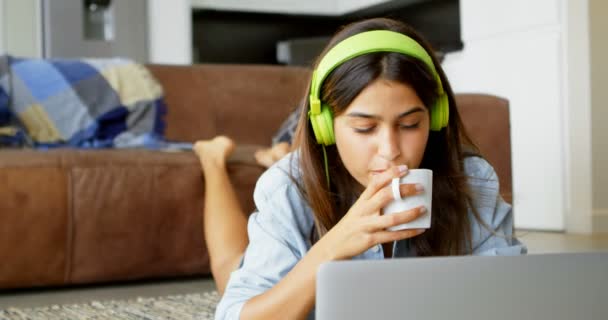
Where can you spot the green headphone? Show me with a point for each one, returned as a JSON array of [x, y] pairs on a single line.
[[367, 42]]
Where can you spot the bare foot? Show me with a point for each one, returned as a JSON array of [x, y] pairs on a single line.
[[280, 150], [267, 157], [215, 151]]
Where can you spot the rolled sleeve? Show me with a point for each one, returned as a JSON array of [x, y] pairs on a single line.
[[493, 235]]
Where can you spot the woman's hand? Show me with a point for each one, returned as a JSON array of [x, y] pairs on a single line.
[[364, 226]]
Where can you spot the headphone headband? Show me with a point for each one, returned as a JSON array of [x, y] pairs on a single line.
[[363, 43], [320, 114]]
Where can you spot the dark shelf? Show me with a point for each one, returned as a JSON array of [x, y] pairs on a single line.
[[252, 37]]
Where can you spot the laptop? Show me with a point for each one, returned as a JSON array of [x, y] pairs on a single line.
[[563, 286]]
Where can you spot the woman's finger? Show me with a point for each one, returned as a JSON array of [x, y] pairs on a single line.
[[386, 221], [382, 198], [390, 236], [381, 180], [410, 189]]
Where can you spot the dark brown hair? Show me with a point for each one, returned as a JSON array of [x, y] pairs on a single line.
[[450, 234]]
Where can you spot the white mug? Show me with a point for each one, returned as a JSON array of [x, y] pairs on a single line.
[[423, 177]]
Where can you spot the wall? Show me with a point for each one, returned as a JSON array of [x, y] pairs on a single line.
[[521, 60], [2, 20], [66, 37], [550, 64], [598, 11], [170, 31], [577, 121], [22, 28], [169, 23]]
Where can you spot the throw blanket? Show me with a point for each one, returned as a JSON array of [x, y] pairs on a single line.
[[85, 103]]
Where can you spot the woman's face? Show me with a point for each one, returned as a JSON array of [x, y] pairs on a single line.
[[386, 125]]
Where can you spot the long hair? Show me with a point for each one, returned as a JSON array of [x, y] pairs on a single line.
[[450, 232]]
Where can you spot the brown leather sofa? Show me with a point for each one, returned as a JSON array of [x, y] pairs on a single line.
[[86, 216]]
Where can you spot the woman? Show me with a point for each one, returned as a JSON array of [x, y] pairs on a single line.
[[382, 112]]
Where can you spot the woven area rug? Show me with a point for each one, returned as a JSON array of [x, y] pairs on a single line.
[[191, 306]]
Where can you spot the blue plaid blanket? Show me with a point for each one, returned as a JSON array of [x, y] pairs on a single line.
[[84, 103]]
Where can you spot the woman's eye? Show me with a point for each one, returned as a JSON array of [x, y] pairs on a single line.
[[410, 126], [364, 130]]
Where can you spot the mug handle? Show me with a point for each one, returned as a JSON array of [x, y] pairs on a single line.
[[395, 188]]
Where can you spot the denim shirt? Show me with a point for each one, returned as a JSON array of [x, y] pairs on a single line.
[[279, 232]]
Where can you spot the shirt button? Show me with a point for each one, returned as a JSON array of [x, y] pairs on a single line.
[[376, 248]]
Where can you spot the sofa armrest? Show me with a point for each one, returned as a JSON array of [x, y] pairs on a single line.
[[486, 119], [34, 235]]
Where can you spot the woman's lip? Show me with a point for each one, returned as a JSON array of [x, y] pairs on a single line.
[[375, 172]]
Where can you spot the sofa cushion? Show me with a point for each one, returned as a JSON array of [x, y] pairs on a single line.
[[143, 202], [84, 216], [244, 102]]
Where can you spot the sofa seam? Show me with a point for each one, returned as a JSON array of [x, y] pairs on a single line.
[[128, 166], [70, 226]]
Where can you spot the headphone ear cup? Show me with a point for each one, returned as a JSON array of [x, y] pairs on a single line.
[[440, 113], [328, 119], [445, 110], [323, 126]]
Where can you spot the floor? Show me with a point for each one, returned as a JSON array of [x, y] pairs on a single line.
[[537, 242]]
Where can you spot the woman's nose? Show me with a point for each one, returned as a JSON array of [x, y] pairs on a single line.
[[388, 145]]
